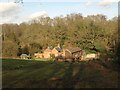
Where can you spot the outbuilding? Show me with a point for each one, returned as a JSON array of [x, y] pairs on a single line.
[[73, 53], [24, 56]]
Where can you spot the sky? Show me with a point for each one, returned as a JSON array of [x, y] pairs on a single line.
[[11, 12]]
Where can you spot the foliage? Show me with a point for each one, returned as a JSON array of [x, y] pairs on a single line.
[[92, 33], [52, 56]]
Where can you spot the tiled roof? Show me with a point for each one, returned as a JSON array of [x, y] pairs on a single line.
[[72, 50], [58, 49]]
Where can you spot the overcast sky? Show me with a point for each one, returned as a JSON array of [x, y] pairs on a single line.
[[11, 12]]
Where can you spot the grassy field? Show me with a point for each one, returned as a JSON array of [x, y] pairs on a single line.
[[49, 74]]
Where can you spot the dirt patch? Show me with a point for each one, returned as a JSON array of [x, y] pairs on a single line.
[[55, 78]]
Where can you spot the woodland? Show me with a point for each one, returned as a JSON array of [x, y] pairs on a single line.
[[94, 33]]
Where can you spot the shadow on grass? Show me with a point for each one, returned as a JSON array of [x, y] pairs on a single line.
[[67, 78], [27, 74], [31, 75], [36, 74]]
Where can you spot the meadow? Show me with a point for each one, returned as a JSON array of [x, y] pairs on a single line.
[[50, 74]]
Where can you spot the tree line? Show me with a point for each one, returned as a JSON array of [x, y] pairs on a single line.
[[93, 33]]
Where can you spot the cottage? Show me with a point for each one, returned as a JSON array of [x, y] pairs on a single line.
[[73, 53], [63, 54], [47, 52], [38, 55], [56, 51]]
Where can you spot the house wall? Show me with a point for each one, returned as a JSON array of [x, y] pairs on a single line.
[[90, 56], [77, 54], [55, 52], [46, 54], [38, 55], [67, 54]]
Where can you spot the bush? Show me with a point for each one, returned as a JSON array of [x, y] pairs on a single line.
[[52, 56]]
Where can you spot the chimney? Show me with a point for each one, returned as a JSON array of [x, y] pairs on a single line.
[[58, 45]]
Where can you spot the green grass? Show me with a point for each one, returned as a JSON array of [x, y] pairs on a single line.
[[49, 74]]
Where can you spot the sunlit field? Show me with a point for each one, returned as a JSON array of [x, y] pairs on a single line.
[[50, 74]]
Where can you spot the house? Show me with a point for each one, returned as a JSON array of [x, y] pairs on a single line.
[[69, 53], [56, 51], [72, 53], [38, 55], [47, 52], [24, 56]]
